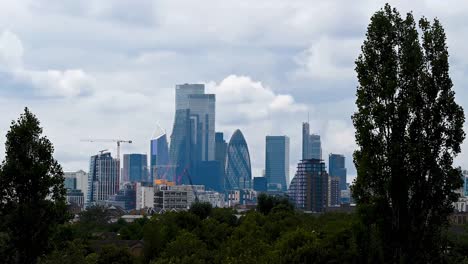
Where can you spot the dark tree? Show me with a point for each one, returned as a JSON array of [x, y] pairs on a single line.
[[32, 195], [409, 129], [266, 203], [201, 209]]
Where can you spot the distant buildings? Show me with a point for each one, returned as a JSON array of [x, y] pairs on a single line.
[[103, 178], [81, 180], [309, 188], [277, 161], [260, 184], [336, 168], [125, 198], [159, 159], [334, 196], [238, 169], [311, 144], [135, 168], [75, 197]]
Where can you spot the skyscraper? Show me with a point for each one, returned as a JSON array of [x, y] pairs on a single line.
[[159, 159], [202, 116], [183, 91], [336, 168], [193, 135], [135, 168], [309, 187], [334, 196], [238, 169], [311, 144], [103, 178], [277, 161], [180, 152], [220, 156]]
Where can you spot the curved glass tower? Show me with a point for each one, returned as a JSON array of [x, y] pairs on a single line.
[[238, 168]]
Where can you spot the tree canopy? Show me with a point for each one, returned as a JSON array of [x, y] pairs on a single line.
[[408, 129]]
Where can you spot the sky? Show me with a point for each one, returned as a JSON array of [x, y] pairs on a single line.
[[108, 69]]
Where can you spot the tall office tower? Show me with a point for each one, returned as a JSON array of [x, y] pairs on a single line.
[[180, 152], [159, 159], [183, 91], [277, 161], [311, 144], [103, 178], [309, 187], [238, 169], [465, 182], [220, 156], [336, 168], [202, 116], [81, 179], [135, 168], [193, 132], [334, 195]]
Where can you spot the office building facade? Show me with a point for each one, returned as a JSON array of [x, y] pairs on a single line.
[[260, 184], [277, 161], [309, 187], [334, 195], [135, 168], [103, 178], [336, 168], [81, 180], [159, 159], [311, 144], [238, 172]]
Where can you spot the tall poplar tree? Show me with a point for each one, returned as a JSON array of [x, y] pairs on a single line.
[[32, 193], [408, 131]]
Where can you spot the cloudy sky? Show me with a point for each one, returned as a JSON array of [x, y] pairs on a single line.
[[107, 69]]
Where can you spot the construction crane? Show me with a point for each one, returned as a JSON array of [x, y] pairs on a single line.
[[118, 141]]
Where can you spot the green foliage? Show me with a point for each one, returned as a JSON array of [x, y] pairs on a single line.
[[201, 209], [408, 129], [71, 253], [114, 255], [32, 193], [266, 203]]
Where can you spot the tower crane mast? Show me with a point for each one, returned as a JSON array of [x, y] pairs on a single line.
[[118, 141]]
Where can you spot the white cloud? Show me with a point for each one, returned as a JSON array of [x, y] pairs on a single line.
[[66, 83]]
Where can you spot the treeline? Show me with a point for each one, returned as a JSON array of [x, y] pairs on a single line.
[[274, 233]]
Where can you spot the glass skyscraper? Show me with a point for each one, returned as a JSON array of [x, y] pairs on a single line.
[[180, 152], [135, 168], [311, 144], [103, 178], [193, 134], [336, 168], [277, 161], [309, 187], [238, 169], [159, 159]]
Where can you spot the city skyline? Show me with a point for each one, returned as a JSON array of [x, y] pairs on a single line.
[[82, 84]]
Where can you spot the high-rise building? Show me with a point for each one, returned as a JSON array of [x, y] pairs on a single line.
[[202, 116], [180, 151], [334, 196], [277, 161], [103, 178], [311, 144], [220, 156], [193, 135], [159, 159], [183, 91], [135, 168], [238, 169], [336, 168], [260, 184], [81, 180], [309, 187]]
